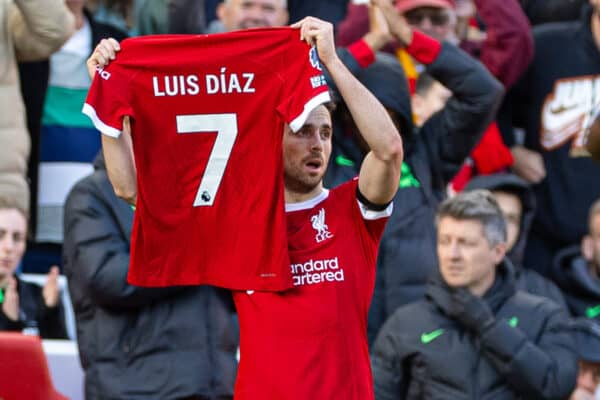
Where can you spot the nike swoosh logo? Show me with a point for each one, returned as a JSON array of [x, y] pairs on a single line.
[[429, 337], [593, 312]]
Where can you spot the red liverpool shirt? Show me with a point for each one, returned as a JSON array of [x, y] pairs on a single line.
[[310, 342], [207, 115]]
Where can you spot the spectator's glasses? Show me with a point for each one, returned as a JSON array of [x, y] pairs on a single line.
[[437, 16]]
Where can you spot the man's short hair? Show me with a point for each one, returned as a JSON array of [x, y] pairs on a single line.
[[10, 203], [479, 205], [594, 209]]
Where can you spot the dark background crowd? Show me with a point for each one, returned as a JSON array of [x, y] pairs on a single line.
[[58, 211]]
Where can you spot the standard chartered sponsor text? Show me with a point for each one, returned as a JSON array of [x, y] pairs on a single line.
[[317, 271]]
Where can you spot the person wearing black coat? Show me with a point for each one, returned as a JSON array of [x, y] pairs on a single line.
[[474, 336], [576, 270], [139, 343], [433, 154]]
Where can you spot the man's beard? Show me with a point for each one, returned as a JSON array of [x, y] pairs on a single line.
[[299, 184]]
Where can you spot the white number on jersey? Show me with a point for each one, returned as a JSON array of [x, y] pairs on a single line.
[[226, 127]]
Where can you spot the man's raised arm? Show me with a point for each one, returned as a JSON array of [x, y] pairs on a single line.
[[380, 170], [118, 151]]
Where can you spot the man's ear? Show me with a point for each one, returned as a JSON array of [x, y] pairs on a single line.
[[499, 252], [587, 247]]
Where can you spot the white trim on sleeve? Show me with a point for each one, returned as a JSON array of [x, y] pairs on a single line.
[[310, 105], [101, 126], [372, 215]]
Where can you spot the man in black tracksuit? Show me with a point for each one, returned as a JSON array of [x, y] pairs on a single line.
[[474, 336], [517, 202], [139, 343], [432, 157]]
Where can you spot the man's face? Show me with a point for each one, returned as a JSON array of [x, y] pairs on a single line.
[[426, 104], [13, 234], [306, 152], [244, 14], [588, 378], [436, 22], [466, 257], [591, 244], [512, 209]]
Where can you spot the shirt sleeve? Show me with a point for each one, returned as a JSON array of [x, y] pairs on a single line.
[[108, 101], [304, 85]]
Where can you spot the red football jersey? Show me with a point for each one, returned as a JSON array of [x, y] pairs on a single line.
[[208, 114], [310, 342]]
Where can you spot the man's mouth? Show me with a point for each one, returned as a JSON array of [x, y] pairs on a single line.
[[314, 164]]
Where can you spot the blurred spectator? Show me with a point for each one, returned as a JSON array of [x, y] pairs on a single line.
[[554, 103], [242, 14], [153, 17], [587, 339], [171, 16], [31, 30], [120, 14], [25, 306], [69, 142], [139, 343], [577, 270], [544, 11], [332, 10], [517, 202], [187, 16], [432, 155], [474, 336], [505, 49]]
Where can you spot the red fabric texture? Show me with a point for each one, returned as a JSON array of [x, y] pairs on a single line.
[[24, 369], [363, 54], [423, 48]]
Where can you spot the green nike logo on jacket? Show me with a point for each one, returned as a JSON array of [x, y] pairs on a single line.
[[427, 338]]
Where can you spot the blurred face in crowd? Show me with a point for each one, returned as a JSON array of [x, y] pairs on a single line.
[[512, 209], [13, 234], [466, 257], [244, 14], [436, 22], [306, 152], [591, 244], [433, 99], [588, 380]]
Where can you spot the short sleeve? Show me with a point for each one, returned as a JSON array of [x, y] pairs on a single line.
[[305, 87], [107, 100]]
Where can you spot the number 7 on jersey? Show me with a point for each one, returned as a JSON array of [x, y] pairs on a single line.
[[226, 127]]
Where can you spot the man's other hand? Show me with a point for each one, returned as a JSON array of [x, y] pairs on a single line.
[[103, 53]]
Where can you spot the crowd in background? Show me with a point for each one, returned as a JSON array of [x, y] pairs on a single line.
[[526, 146]]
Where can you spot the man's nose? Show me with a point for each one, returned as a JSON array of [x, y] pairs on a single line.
[[7, 244], [316, 141]]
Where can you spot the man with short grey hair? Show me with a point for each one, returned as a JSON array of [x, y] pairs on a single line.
[[474, 335]]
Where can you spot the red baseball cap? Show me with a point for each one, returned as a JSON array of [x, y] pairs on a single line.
[[406, 5]]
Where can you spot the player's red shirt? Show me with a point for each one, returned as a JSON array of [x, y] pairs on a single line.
[[310, 342], [207, 117]]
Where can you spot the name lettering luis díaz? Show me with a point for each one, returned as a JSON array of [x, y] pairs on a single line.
[[222, 83]]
